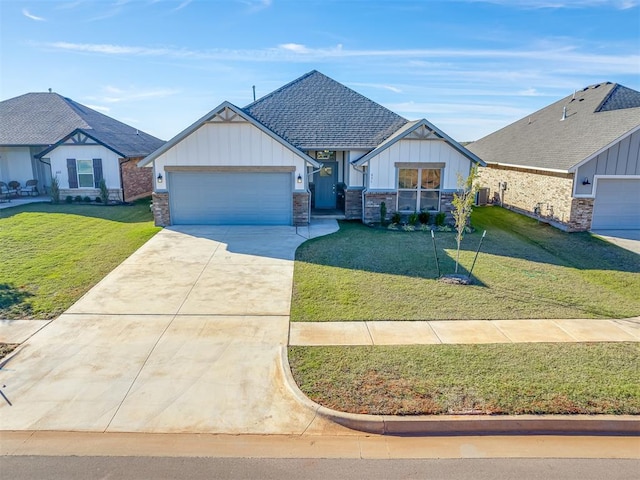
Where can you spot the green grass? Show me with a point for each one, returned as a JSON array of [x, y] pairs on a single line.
[[52, 254], [583, 378], [525, 270]]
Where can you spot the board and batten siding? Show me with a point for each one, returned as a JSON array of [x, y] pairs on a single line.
[[355, 176], [238, 144], [623, 158], [110, 163], [382, 170]]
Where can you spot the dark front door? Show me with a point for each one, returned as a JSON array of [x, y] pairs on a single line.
[[326, 181]]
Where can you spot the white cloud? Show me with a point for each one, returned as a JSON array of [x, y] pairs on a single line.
[[294, 47], [27, 14], [560, 4], [117, 95], [99, 108], [182, 5], [256, 5], [391, 88]]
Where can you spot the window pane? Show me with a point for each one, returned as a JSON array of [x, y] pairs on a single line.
[[430, 179], [85, 180], [408, 178], [407, 201], [85, 166], [430, 201]]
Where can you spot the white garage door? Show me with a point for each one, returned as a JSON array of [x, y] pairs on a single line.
[[230, 198], [617, 204]]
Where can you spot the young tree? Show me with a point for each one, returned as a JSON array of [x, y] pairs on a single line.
[[463, 201]]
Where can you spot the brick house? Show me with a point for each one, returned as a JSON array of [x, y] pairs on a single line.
[[45, 135], [311, 147], [574, 164]]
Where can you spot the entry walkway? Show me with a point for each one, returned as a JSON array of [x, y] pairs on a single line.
[[463, 331]]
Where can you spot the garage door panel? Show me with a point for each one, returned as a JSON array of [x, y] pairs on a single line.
[[617, 204], [226, 198]]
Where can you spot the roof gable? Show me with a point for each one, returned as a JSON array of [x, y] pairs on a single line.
[[316, 112], [226, 112], [566, 133], [48, 118], [419, 130]]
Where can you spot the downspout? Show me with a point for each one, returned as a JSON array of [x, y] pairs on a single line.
[[365, 183], [308, 190], [126, 160]]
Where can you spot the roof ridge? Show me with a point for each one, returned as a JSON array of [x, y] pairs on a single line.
[[277, 90]]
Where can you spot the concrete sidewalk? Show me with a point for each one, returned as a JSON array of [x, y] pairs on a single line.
[[463, 331]]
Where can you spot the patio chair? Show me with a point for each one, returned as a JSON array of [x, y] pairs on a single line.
[[14, 186], [30, 189], [6, 191]]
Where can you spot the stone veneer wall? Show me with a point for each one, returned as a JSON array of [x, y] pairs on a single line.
[[137, 182], [581, 214], [115, 194], [160, 208], [353, 204], [527, 189], [372, 201], [301, 208]]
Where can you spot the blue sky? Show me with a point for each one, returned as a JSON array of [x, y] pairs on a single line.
[[468, 66]]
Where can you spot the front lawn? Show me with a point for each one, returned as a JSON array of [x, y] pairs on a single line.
[[50, 255], [580, 378], [525, 270]]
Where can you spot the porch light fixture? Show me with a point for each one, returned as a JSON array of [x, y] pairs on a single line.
[[159, 178], [586, 181], [299, 179]]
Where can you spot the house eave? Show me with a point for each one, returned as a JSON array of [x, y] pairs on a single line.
[[206, 118], [527, 167], [76, 131], [575, 167]]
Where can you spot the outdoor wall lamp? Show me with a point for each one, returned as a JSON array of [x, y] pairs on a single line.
[[299, 179], [586, 181], [159, 178]]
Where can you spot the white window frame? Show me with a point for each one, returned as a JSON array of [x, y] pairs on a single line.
[[78, 173], [418, 190]]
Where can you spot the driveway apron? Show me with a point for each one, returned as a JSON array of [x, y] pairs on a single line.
[[184, 336]]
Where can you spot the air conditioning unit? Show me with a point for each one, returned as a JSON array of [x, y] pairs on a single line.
[[482, 196]]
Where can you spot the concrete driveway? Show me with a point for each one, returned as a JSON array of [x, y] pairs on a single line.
[[627, 239], [184, 336]]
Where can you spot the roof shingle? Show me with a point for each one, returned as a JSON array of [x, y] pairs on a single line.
[[315, 111], [45, 118], [595, 117]]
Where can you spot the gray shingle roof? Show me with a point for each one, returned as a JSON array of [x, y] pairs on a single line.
[[316, 112], [45, 118], [596, 117]]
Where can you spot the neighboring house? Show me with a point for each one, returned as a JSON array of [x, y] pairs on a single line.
[[574, 163], [45, 134], [313, 146]]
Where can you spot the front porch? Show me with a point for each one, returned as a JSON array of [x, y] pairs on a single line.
[[17, 201]]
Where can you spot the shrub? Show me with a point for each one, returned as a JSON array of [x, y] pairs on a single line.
[[68, 199], [425, 228], [383, 213], [413, 218], [409, 228], [55, 190], [104, 191], [87, 199], [78, 198], [396, 218], [424, 217], [98, 200], [440, 216]]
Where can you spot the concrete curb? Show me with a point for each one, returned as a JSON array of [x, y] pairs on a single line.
[[621, 425]]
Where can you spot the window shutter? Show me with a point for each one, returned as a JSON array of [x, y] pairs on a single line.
[[72, 173], [97, 171]]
